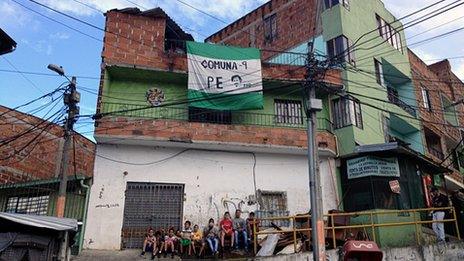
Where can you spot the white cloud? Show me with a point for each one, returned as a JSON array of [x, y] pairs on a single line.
[[40, 46], [459, 71], [13, 15], [426, 56], [225, 9], [401, 8], [59, 36], [228, 9]]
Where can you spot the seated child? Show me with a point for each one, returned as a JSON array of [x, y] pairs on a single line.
[[186, 238], [169, 242], [149, 244], [197, 238], [160, 235]]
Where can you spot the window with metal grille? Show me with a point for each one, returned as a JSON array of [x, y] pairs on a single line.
[[209, 116], [389, 33], [346, 112], [270, 28], [379, 72], [272, 204], [288, 111], [340, 48], [426, 99], [28, 205]]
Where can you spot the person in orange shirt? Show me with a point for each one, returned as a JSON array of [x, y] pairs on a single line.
[[197, 238]]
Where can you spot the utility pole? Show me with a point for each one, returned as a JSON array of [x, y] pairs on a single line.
[[71, 99], [314, 72]]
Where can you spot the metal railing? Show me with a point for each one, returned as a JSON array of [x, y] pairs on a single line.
[[332, 228], [208, 116], [436, 152], [393, 98]]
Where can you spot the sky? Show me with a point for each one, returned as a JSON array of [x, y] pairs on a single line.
[[42, 41]]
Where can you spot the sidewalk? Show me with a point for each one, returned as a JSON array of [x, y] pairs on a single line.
[[109, 255]]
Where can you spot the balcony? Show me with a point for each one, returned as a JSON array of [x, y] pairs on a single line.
[[436, 152], [394, 98], [214, 117], [167, 126]]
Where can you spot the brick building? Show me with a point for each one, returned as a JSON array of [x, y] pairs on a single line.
[[30, 166], [42, 159], [195, 164], [205, 162], [440, 93], [380, 100]]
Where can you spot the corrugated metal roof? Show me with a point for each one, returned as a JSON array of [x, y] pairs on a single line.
[[53, 223], [40, 182]]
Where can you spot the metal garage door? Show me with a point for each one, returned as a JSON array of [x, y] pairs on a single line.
[[155, 205]]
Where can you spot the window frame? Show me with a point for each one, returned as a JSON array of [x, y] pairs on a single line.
[[330, 3], [270, 28], [426, 104], [389, 34], [347, 111], [24, 204], [284, 110], [378, 66], [334, 44], [449, 111]]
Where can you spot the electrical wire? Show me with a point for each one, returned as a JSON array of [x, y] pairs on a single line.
[[398, 29], [34, 100], [113, 33], [430, 39], [415, 22], [23, 75], [35, 138], [8, 140]]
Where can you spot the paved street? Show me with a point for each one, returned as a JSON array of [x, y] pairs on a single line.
[[104, 255]]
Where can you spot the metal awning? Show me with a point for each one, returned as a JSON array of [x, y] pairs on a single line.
[[38, 183], [53, 223], [395, 149], [7, 44]]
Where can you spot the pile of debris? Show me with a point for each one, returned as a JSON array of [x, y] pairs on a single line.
[[280, 241]]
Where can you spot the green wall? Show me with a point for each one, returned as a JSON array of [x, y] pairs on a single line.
[[125, 89], [354, 23], [396, 236]]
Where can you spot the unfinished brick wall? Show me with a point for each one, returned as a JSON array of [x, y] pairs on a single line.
[[295, 25], [438, 81], [191, 132], [140, 43], [41, 158], [444, 71]]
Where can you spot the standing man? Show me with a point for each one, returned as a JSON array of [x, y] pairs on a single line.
[[240, 230], [438, 201]]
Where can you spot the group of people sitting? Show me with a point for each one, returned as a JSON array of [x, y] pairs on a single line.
[[238, 230]]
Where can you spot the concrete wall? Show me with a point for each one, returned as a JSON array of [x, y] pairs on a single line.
[[452, 252], [210, 178]]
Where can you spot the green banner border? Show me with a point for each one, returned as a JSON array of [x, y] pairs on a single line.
[[226, 102], [222, 52]]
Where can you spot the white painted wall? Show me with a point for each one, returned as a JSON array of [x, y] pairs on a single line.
[[211, 180]]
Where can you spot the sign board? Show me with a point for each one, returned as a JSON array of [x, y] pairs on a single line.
[[372, 166], [224, 77], [395, 186]]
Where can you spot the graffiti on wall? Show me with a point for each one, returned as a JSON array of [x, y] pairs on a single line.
[[199, 210]]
